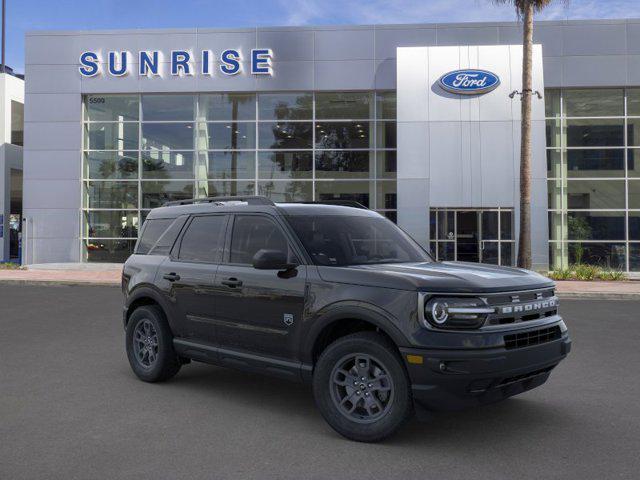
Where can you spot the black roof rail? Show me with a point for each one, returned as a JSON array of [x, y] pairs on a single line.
[[341, 203], [250, 199]]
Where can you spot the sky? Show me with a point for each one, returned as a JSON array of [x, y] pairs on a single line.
[[26, 15]]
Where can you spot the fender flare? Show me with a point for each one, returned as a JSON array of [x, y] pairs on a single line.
[[148, 291]]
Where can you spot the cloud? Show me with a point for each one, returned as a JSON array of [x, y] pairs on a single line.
[[304, 12]]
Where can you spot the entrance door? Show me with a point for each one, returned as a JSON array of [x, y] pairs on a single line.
[[467, 236]]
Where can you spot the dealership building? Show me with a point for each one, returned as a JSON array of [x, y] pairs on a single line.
[[120, 122]]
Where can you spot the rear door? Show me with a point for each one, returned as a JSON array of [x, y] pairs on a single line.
[[259, 311], [188, 275]]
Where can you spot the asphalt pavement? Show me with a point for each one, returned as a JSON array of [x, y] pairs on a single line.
[[70, 408]]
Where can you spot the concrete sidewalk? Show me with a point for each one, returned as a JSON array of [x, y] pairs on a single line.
[[109, 274]]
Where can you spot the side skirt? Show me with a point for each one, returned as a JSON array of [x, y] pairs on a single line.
[[249, 362]]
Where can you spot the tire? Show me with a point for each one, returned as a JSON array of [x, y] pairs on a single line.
[[384, 402], [149, 345]]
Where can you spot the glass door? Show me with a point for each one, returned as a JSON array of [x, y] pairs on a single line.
[[467, 236]]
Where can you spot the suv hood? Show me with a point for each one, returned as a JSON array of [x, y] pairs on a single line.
[[449, 277]]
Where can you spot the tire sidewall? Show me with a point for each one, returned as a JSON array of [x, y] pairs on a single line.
[[402, 404]]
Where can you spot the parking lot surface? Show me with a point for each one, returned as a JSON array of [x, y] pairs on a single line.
[[71, 408]]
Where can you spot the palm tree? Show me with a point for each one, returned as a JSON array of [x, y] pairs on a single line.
[[525, 10]]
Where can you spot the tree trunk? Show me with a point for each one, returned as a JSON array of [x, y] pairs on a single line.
[[524, 246]]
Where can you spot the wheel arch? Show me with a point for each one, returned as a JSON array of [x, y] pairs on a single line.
[[145, 296]]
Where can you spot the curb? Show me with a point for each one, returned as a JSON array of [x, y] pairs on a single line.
[[57, 283], [598, 296]]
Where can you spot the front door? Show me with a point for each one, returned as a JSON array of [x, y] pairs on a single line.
[[258, 311], [467, 236]]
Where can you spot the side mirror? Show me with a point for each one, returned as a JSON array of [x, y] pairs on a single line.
[[271, 260]]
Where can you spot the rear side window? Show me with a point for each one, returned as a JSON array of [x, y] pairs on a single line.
[[168, 238], [253, 233], [204, 239], [153, 229]]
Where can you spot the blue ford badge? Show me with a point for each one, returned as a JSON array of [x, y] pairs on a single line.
[[469, 82]]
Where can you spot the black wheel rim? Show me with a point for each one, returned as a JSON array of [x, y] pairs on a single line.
[[361, 388], [145, 343]]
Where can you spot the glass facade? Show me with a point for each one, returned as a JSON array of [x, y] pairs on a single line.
[[140, 151], [593, 177]]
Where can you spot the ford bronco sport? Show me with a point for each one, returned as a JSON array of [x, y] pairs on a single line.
[[339, 297]]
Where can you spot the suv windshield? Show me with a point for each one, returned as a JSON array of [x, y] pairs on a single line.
[[341, 240]]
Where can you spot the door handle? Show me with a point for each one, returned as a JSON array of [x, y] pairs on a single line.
[[172, 277], [232, 283]]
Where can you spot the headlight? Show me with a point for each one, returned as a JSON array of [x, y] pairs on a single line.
[[456, 312]]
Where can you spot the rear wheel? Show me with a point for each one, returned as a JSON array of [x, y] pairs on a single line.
[[361, 387], [150, 345]]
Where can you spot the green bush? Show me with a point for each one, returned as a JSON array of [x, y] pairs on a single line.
[[562, 274], [9, 266], [587, 272], [612, 275]]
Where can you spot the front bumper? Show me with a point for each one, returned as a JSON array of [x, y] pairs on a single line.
[[452, 379]]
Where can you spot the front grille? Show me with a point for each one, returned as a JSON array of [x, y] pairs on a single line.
[[519, 307], [535, 337]]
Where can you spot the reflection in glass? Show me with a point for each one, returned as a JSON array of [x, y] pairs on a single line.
[[230, 188], [634, 257], [273, 165], [595, 133], [633, 162], [633, 132], [285, 106], [108, 251], [554, 163], [556, 227], [506, 225], [357, 191], [111, 194], [111, 223], [387, 195], [595, 163], [167, 136], [634, 194], [386, 135], [111, 108], [490, 252], [634, 225], [111, 165], [283, 191], [446, 251], [387, 164], [285, 135], [111, 136], [342, 135], [347, 105], [165, 164], [386, 105], [552, 103], [343, 164], [168, 107], [599, 102], [227, 136], [595, 194], [555, 199], [227, 106], [506, 254], [596, 225], [606, 255], [157, 193], [490, 226], [231, 165], [633, 102], [554, 133]]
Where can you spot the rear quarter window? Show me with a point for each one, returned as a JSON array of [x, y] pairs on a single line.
[[152, 230]]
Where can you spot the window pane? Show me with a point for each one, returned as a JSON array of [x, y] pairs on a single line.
[[595, 163], [254, 233], [556, 231], [558, 255], [595, 133], [386, 136], [289, 135], [111, 224], [490, 226], [151, 233], [279, 191], [204, 239], [387, 195], [108, 251], [554, 163], [593, 103], [167, 136], [393, 216], [634, 257], [634, 194], [386, 105], [111, 108], [285, 165], [350, 105], [344, 164], [227, 106], [230, 189], [112, 195], [490, 252], [633, 159], [111, 136], [555, 200], [595, 194], [387, 164], [156, 194], [634, 225], [17, 123], [167, 164], [168, 107], [232, 165], [506, 225], [433, 224], [111, 165], [554, 133], [446, 251], [356, 191], [343, 135], [606, 255], [285, 106], [446, 225], [552, 103], [633, 101], [227, 136], [633, 132], [596, 225], [506, 254]]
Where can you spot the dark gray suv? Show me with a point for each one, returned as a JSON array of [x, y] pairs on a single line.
[[337, 296]]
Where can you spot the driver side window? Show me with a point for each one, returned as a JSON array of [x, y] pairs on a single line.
[[252, 233]]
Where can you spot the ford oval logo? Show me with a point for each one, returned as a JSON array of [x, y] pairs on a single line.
[[469, 82]]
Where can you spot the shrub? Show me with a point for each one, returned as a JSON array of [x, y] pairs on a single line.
[[9, 266], [587, 272], [561, 274], [612, 275]]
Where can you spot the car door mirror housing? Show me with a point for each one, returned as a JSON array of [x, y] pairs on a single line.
[[272, 260]]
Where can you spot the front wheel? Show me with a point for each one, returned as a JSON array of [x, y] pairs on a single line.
[[361, 387]]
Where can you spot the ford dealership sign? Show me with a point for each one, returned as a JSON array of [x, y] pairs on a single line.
[[469, 82]]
